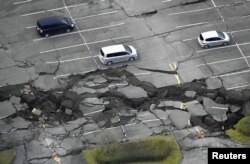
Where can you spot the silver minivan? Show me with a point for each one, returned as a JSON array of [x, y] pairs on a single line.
[[213, 38], [117, 53]]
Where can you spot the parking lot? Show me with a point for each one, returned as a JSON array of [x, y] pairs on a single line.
[[163, 32]]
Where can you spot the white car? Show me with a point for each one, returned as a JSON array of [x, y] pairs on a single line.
[[213, 38], [117, 53]]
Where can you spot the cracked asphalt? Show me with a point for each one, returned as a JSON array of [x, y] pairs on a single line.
[[58, 99]]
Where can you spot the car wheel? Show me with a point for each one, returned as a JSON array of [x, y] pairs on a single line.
[[110, 63], [206, 46], [68, 30], [132, 59], [47, 35], [225, 43]]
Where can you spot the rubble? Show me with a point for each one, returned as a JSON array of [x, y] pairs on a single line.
[[180, 119], [6, 109], [133, 92], [104, 107]]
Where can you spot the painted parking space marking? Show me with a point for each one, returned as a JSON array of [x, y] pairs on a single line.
[[75, 32], [239, 86], [231, 74], [191, 11], [68, 74], [21, 2], [194, 24], [69, 60], [55, 9], [221, 61], [77, 45], [95, 15], [166, 1], [29, 27]]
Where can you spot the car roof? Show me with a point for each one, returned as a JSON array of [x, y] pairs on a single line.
[[113, 49], [50, 20], [210, 34]]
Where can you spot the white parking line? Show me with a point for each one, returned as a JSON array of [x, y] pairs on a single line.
[[118, 38], [222, 61], [191, 11], [189, 39], [230, 74], [37, 12], [21, 2], [62, 48], [166, 1], [98, 111], [91, 16], [194, 24], [77, 45], [145, 73], [31, 27], [226, 32], [59, 8], [242, 54], [216, 48], [240, 30], [239, 86], [65, 75], [92, 29], [68, 60]]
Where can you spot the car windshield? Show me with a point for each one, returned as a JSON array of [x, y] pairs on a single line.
[[221, 35], [64, 20], [127, 48], [101, 52], [201, 37]]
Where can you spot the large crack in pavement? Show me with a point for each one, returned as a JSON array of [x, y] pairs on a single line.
[[111, 103]]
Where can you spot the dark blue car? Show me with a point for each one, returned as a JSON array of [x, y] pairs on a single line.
[[54, 25]]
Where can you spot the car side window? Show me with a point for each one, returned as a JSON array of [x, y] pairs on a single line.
[[213, 39]]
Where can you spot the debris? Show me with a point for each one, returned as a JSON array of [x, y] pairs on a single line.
[[68, 111], [6, 109], [36, 111], [190, 94]]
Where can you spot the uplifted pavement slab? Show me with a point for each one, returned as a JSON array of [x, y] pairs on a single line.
[[20, 123], [105, 136], [59, 130], [195, 108], [213, 83], [35, 150], [137, 131], [145, 116], [20, 155], [6, 109], [133, 92], [18, 136], [70, 159], [46, 82], [69, 145], [16, 75], [71, 125], [180, 119], [214, 108], [4, 128]]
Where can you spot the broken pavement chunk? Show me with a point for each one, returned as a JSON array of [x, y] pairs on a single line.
[[213, 108], [190, 94], [213, 83], [6, 109], [180, 119], [195, 108], [36, 111], [133, 92]]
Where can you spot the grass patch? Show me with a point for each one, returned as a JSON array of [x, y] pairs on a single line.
[[7, 156], [241, 132], [152, 150]]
